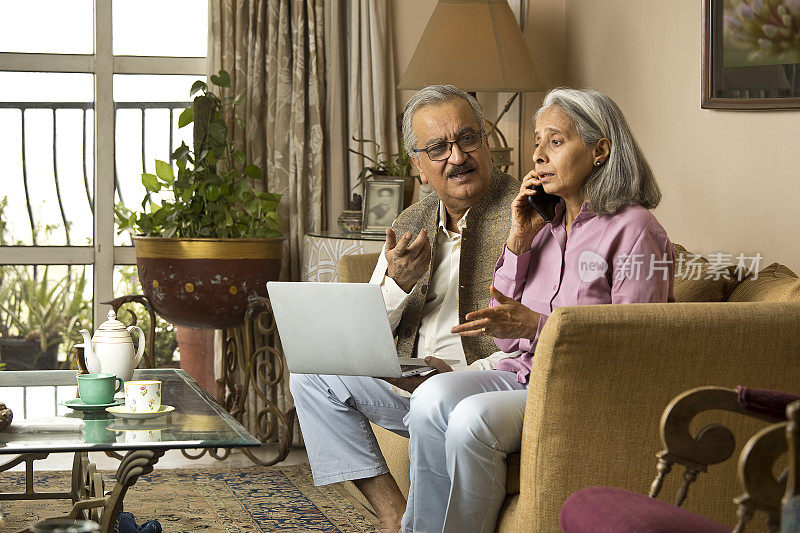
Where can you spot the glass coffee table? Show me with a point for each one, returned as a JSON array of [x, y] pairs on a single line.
[[197, 421]]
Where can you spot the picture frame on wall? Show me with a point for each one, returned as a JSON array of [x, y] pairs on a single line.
[[383, 201], [751, 54]]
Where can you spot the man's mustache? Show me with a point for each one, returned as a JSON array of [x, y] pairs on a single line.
[[466, 167]]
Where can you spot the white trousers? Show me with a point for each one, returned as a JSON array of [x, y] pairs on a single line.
[[461, 425]]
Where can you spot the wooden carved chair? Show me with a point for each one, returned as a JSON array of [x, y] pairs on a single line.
[[600, 509], [790, 517]]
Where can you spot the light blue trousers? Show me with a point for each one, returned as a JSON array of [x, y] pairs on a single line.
[[461, 425]]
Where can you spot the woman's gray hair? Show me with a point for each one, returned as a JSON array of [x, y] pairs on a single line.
[[625, 178], [430, 96]]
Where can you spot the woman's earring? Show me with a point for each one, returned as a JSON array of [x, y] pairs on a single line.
[[598, 163]]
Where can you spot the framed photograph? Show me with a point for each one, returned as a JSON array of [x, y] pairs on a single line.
[[751, 54], [383, 201]]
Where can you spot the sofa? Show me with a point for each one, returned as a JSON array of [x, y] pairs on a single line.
[[603, 374]]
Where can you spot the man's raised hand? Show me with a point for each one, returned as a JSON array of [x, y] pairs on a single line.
[[407, 261]]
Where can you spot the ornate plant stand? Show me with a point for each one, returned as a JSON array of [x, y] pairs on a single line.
[[252, 359], [253, 370]]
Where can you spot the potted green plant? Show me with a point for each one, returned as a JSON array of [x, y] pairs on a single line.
[[389, 165], [205, 239], [37, 315]]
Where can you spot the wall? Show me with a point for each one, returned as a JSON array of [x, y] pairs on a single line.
[[731, 179], [409, 18]]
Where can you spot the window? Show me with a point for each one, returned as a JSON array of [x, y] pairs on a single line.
[[87, 94]]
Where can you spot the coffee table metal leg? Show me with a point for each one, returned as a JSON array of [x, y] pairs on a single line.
[[87, 491], [80, 463], [134, 464], [30, 493], [104, 507]]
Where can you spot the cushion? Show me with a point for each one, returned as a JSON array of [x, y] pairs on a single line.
[[695, 278], [612, 510], [775, 283], [356, 268]]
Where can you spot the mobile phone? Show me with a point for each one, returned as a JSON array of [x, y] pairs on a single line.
[[545, 204]]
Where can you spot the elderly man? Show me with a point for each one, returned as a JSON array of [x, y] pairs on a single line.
[[438, 270]]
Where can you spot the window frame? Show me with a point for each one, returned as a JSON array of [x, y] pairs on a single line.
[[103, 64]]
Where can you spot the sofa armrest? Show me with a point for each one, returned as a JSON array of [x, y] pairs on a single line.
[[602, 376]]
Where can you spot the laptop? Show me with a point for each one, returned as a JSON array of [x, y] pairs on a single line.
[[338, 328]]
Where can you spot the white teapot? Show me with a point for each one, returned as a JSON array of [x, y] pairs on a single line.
[[111, 350]]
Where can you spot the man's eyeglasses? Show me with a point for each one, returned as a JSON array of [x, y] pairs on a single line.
[[469, 142]]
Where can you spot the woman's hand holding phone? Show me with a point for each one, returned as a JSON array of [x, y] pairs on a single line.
[[525, 221]]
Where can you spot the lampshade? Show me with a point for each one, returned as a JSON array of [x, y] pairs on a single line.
[[476, 45]]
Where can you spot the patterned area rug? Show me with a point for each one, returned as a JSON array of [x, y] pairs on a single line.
[[249, 499]]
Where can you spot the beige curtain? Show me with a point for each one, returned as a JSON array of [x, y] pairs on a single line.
[[360, 97], [276, 51], [273, 50]]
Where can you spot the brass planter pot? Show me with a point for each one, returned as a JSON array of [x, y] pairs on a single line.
[[205, 283]]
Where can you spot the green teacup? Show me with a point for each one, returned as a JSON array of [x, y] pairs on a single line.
[[96, 431], [97, 389]]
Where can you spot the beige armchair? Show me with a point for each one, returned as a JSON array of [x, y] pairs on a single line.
[[602, 375]]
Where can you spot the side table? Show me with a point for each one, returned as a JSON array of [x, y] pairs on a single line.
[[322, 251]]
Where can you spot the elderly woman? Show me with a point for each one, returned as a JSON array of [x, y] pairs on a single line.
[[602, 247]]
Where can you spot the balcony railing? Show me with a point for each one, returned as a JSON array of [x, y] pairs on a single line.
[[54, 107]]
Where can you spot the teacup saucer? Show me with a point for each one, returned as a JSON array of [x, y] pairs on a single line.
[[78, 405], [122, 424], [122, 412]]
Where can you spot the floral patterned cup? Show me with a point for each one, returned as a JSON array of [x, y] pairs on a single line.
[[143, 435], [142, 396]]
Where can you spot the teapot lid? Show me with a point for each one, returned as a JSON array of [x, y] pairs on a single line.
[[112, 330]]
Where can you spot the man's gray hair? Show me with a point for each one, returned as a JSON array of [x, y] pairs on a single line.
[[625, 178], [433, 95]]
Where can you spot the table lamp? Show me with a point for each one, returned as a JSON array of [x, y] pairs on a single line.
[[476, 45]]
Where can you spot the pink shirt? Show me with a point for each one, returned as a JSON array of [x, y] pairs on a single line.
[[611, 259]]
